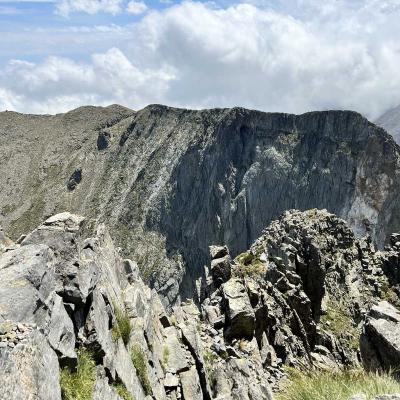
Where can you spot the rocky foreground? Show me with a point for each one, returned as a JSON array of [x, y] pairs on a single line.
[[307, 294]]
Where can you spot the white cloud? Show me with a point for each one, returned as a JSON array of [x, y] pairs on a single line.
[[298, 56], [59, 84], [65, 7], [136, 7]]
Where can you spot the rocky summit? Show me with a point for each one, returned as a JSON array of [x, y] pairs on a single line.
[[171, 182], [307, 294]]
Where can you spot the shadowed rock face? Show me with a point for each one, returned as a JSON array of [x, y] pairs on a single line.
[[170, 182]]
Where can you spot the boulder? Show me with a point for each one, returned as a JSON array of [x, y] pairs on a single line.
[[191, 385], [221, 269], [380, 339], [240, 317]]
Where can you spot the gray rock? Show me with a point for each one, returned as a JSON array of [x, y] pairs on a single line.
[[191, 384], [221, 269], [30, 371], [380, 339], [240, 314], [218, 251], [61, 335], [177, 356], [27, 283]]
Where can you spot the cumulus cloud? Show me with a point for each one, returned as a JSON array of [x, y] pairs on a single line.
[[65, 7], [136, 7], [296, 56], [59, 84]]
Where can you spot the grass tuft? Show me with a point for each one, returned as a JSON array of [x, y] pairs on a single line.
[[340, 385], [140, 364], [122, 329], [78, 385], [247, 264], [122, 391]]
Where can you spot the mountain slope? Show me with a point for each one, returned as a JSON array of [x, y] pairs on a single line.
[[391, 122], [170, 182]]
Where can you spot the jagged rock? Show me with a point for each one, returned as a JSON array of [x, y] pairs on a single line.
[[27, 283], [221, 269], [218, 252], [268, 314], [102, 390], [380, 340], [61, 334], [240, 315]]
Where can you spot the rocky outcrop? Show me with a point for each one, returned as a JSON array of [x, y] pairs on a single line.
[[170, 182]]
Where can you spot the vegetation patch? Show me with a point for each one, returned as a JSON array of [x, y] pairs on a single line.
[[339, 321], [336, 385], [122, 329], [78, 384], [247, 264], [165, 357], [122, 391], [210, 358], [140, 364]]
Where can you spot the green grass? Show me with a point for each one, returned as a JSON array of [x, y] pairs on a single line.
[[338, 321], [247, 264], [78, 385], [140, 364], [122, 329], [122, 391], [336, 385], [165, 357]]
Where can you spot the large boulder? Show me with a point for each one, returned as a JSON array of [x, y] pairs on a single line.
[[240, 322], [380, 339]]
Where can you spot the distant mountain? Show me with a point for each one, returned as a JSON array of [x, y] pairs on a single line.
[[170, 182], [391, 122]]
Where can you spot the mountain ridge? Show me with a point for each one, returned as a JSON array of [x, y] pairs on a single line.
[[169, 182]]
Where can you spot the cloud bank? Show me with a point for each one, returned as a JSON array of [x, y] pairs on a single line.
[[292, 56]]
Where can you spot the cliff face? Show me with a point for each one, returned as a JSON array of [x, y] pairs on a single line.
[[170, 182]]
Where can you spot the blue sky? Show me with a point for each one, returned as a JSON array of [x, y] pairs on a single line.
[[293, 55]]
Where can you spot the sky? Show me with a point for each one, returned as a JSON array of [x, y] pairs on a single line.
[[273, 55]]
